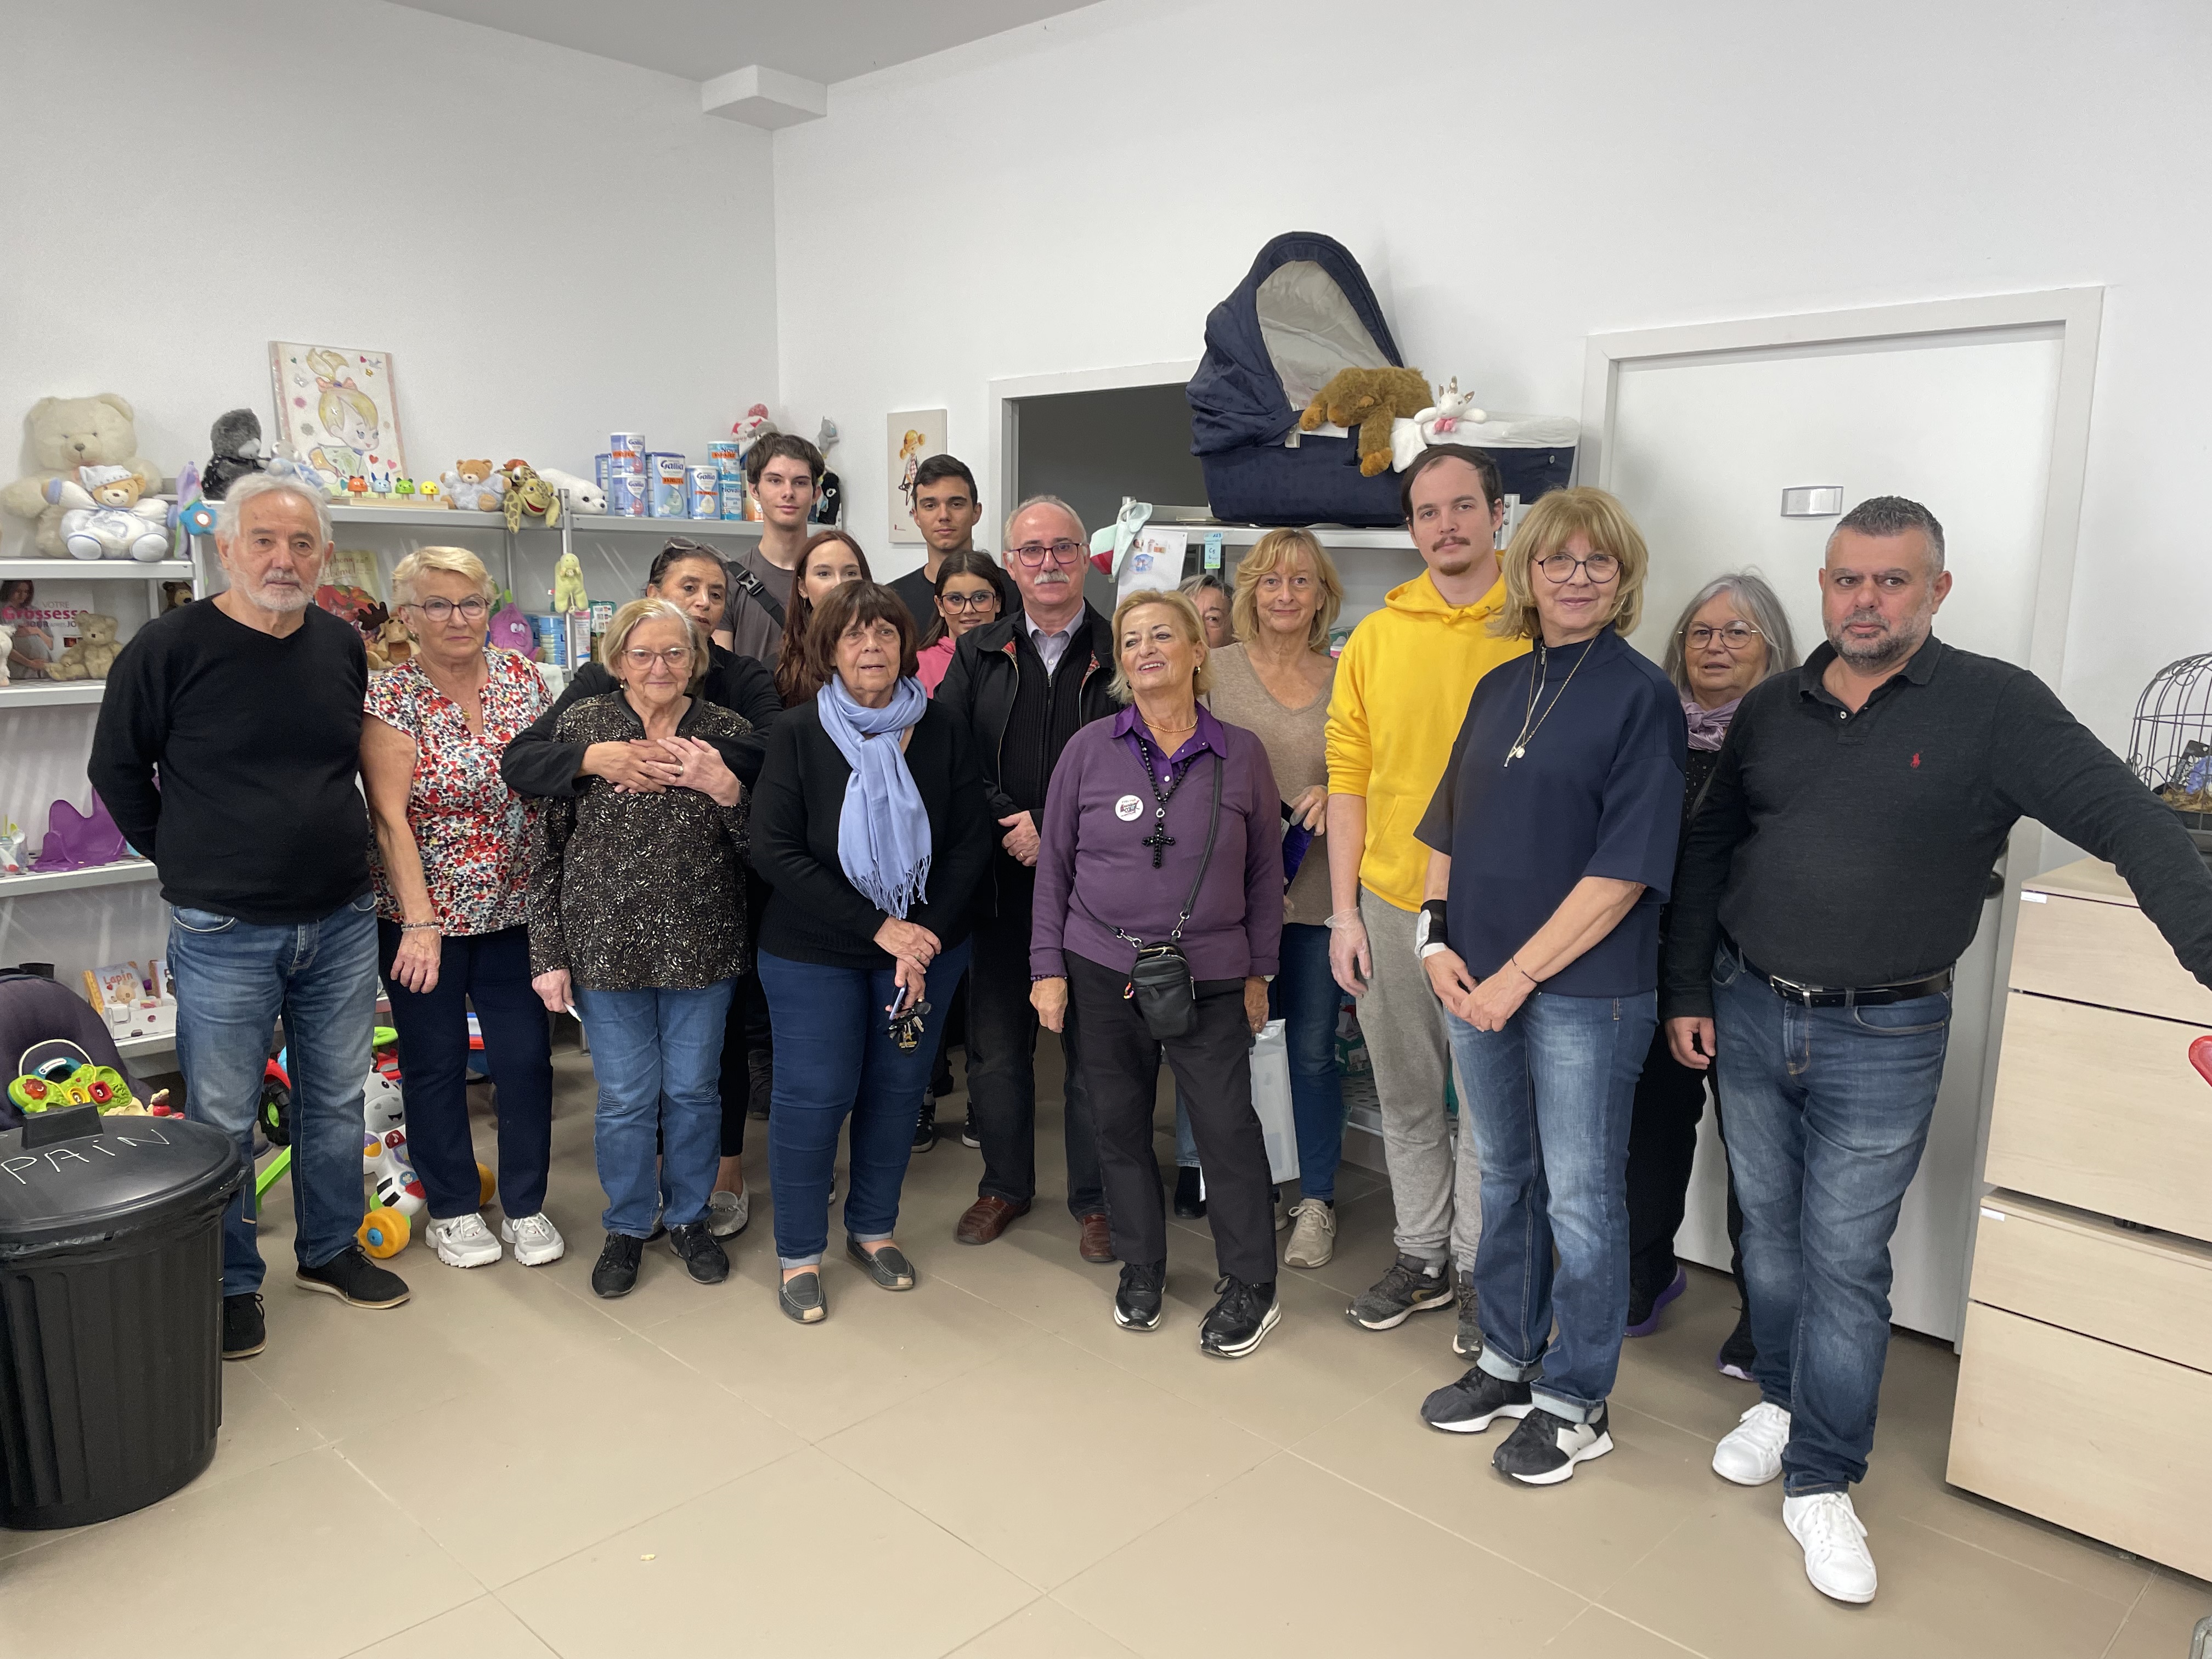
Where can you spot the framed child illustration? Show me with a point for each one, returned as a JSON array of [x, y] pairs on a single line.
[[911, 437], [338, 408]]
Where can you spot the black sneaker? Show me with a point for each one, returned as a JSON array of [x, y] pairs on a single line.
[[1409, 1287], [968, 1135], [1189, 1201], [1738, 1353], [702, 1253], [245, 1332], [615, 1274], [1544, 1450], [1467, 1341], [1137, 1304], [1475, 1402], [1245, 1314], [925, 1127], [355, 1281]]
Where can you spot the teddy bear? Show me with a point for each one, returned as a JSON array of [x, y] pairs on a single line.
[[583, 496], [1369, 399], [474, 485], [233, 451], [66, 433], [93, 654], [103, 517]]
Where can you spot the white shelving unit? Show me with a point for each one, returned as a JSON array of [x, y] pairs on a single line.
[[56, 881], [78, 570], [50, 693], [131, 1048]]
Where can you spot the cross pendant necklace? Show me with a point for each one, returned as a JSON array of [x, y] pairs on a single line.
[[1159, 841]]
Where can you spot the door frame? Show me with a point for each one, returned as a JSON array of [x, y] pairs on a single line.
[[1005, 436], [2076, 315]]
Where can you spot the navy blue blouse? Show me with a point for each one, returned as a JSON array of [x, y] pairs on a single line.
[[1597, 792]]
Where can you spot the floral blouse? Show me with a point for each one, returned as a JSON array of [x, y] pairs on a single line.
[[472, 831]]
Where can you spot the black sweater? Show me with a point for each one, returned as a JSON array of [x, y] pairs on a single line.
[[257, 814], [1846, 849], [815, 913], [538, 762]]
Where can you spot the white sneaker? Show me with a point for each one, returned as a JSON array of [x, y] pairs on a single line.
[[536, 1241], [464, 1242], [1312, 1235], [1834, 1539], [728, 1212], [1751, 1453]]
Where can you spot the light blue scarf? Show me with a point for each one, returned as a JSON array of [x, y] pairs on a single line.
[[882, 838]]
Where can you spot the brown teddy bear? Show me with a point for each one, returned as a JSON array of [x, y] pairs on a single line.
[[475, 485], [94, 653], [1369, 399]]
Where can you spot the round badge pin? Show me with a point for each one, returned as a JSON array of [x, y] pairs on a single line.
[[1127, 808]]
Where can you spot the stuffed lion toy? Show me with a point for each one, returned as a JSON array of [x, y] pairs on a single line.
[[1369, 399]]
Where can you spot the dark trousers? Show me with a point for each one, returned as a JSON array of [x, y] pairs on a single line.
[[1002, 1030], [1662, 1142], [747, 1041], [490, 972], [1213, 1068]]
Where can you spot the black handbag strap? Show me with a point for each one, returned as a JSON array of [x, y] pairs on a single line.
[[755, 589]]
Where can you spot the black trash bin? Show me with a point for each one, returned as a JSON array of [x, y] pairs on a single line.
[[111, 1311]]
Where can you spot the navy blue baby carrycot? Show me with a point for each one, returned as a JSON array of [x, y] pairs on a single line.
[[1304, 311]]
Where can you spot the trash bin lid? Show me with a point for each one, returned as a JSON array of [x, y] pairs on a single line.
[[134, 1172]]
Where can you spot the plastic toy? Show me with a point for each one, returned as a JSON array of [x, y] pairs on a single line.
[[233, 451], [403, 492], [527, 495], [581, 495], [474, 486], [426, 493], [568, 592], [79, 841], [104, 516], [13, 855], [72, 1080]]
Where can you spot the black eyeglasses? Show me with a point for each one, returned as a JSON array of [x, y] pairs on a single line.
[[968, 601], [1600, 567], [438, 610]]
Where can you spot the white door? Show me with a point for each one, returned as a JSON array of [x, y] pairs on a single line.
[[1701, 449]]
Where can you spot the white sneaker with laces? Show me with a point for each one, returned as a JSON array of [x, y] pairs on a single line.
[[464, 1241], [1312, 1235], [1751, 1453], [536, 1241], [1833, 1537]]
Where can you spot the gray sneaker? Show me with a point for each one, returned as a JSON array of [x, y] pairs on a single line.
[[1409, 1287], [1467, 1341]]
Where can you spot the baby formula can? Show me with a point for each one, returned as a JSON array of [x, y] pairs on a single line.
[[722, 454], [735, 496], [703, 491], [664, 478], [627, 449], [628, 495], [602, 469]]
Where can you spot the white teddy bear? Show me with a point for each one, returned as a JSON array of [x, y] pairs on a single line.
[[584, 496], [103, 516]]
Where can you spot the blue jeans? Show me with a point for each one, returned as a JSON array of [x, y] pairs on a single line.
[[1549, 1099], [234, 979], [491, 973], [1305, 997], [1827, 1112], [834, 1055], [658, 1055]]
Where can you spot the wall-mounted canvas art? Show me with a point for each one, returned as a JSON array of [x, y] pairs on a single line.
[[338, 409], [912, 436]]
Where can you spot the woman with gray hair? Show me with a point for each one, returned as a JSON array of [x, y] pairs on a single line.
[[451, 864], [1731, 636], [637, 924]]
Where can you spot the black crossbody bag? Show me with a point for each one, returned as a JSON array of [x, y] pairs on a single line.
[[1160, 980]]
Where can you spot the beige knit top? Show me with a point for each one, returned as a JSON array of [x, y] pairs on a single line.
[[1295, 739]]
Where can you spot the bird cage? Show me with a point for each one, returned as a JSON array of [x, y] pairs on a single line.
[[2170, 743]]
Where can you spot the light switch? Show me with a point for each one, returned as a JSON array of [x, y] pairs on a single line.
[[1812, 502]]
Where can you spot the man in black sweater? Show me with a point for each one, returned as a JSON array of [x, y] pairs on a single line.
[[1024, 684], [1833, 878], [946, 510], [248, 707]]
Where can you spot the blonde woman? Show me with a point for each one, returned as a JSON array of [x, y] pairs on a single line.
[[637, 921], [450, 865], [1551, 841]]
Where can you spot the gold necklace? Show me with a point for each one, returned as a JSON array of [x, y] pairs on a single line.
[[1535, 684]]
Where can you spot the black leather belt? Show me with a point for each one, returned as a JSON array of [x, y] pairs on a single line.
[[1859, 996]]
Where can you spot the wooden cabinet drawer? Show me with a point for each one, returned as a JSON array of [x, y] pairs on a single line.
[[2099, 1438], [2102, 1110], [2088, 951], [2147, 1291]]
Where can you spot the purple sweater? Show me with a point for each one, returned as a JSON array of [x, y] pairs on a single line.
[[1095, 873]]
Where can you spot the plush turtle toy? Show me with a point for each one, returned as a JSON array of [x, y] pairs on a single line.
[[528, 495]]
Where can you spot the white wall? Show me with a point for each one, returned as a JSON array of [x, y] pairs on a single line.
[[1514, 178], [552, 246]]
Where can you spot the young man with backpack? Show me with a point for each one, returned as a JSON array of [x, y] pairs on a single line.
[[784, 474]]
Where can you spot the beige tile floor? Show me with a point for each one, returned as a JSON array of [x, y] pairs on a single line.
[[988, 1466]]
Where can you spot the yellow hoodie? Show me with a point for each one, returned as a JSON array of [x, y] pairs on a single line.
[[1402, 687]]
